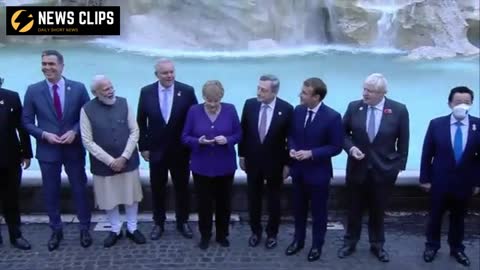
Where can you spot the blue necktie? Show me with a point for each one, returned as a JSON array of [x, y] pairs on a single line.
[[458, 142], [164, 107], [371, 125], [309, 118]]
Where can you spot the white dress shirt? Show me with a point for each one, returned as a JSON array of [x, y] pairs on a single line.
[[170, 91], [270, 109], [378, 114], [464, 128], [314, 110]]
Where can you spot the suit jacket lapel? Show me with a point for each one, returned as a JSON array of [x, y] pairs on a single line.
[[49, 99], [256, 119], [68, 98], [177, 95], [276, 114], [445, 129], [362, 118], [470, 137]]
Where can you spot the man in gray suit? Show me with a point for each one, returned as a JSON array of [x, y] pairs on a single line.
[[55, 103], [376, 141]]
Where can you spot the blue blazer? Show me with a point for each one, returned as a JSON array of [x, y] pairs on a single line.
[[212, 160], [38, 104], [438, 165], [160, 138], [324, 137]]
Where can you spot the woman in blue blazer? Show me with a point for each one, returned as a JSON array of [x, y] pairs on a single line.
[[211, 131]]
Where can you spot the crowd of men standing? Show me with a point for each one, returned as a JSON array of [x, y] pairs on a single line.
[[176, 136]]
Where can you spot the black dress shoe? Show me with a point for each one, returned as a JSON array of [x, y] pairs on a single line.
[[271, 242], [223, 241], [345, 251], [112, 239], [54, 241], [21, 243], [314, 254], [185, 230], [254, 240], [85, 239], [137, 237], [461, 258], [294, 248], [157, 232], [429, 255], [381, 254], [204, 243]]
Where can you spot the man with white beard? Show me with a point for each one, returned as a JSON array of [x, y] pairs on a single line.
[[110, 134]]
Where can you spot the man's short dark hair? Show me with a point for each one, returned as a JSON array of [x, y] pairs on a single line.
[[319, 87], [55, 53], [459, 90]]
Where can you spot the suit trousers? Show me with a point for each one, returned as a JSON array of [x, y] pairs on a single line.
[[180, 173], [213, 193], [372, 195], [51, 178], [315, 197], [439, 204], [258, 185], [9, 198]]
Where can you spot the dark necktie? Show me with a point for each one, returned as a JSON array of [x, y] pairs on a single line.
[[56, 102], [309, 118]]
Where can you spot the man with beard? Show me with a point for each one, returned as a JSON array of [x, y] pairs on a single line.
[[110, 134]]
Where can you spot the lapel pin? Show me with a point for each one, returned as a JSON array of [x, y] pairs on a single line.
[[68, 88], [179, 94], [2, 102], [279, 113], [11, 109], [387, 111], [474, 127], [360, 109]]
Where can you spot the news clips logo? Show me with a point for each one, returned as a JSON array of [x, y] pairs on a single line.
[[44, 20]]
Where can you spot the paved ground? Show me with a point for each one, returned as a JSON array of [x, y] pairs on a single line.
[[404, 243]]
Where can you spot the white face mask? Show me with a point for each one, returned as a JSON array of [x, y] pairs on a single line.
[[460, 111]]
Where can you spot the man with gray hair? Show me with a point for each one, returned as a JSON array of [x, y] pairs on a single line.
[[110, 134], [376, 141], [263, 155]]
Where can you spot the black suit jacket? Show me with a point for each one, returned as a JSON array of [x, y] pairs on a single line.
[[271, 155], [388, 152], [157, 136], [15, 142]]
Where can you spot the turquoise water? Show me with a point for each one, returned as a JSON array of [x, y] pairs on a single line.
[[422, 85]]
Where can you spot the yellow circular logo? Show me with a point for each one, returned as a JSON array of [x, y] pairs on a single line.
[[16, 24]]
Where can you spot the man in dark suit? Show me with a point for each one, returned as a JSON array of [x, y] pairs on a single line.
[[162, 110], [376, 140], [15, 152], [55, 104], [450, 169], [263, 155], [315, 137]]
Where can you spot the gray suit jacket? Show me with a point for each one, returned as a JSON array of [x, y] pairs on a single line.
[[38, 105], [388, 152]]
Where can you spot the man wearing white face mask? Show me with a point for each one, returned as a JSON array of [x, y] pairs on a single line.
[[449, 170], [110, 134]]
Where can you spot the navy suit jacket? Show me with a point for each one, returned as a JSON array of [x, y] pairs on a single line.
[[438, 165], [272, 154], [157, 136], [324, 137], [38, 105]]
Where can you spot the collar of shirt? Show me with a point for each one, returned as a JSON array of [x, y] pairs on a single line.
[[271, 105], [380, 105], [61, 84], [315, 110], [161, 88], [453, 120]]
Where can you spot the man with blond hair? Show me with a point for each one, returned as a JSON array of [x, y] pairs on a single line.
[[376, 141]]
